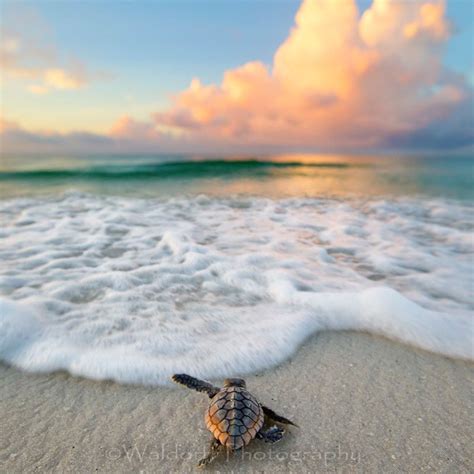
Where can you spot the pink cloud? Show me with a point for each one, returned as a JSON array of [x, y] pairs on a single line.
[[126, 135], [338, 78], [128, 128]]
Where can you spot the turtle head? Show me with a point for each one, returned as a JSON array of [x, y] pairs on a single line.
[[234, 383]]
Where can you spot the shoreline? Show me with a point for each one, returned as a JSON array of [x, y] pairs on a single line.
[[363, 403]]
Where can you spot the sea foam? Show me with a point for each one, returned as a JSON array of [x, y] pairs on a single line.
[[136, 289]]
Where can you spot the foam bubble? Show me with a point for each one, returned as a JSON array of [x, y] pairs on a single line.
[[135, 290]]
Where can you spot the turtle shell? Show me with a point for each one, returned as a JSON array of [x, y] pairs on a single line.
[[234, 417]]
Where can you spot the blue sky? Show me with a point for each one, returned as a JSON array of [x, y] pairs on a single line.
[[180, 39]]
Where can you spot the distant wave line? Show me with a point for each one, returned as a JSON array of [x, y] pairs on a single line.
[[169, 169]]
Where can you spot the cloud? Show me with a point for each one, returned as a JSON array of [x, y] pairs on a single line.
[[61, 79], [7, 125], [16, 139], [126, 135], [38, 89], [28, 54], [127, 128], [339, 80]]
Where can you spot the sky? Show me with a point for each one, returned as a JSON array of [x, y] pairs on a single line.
[[236, 75]]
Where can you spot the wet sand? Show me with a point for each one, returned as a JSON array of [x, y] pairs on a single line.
[[363, 403]]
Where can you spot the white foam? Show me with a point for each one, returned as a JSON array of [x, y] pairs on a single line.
[[135, 290]]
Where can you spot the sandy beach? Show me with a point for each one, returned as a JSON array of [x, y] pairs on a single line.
[[363, 403]]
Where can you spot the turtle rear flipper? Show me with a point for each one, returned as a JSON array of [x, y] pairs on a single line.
[[195, 384], [278, 418], [214, 449]]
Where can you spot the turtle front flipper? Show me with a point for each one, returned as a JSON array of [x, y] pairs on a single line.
[[269, 413], [272, 435], [214, 450], [195, 384]]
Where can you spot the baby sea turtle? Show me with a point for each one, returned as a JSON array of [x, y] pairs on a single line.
[[234, 416]]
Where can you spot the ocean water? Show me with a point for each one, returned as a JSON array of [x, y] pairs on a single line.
[[132, 268]]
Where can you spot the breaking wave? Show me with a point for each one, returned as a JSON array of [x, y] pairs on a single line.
[[179, 169], [135, 289]]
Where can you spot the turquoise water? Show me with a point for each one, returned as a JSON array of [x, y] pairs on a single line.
[[278, 176]]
